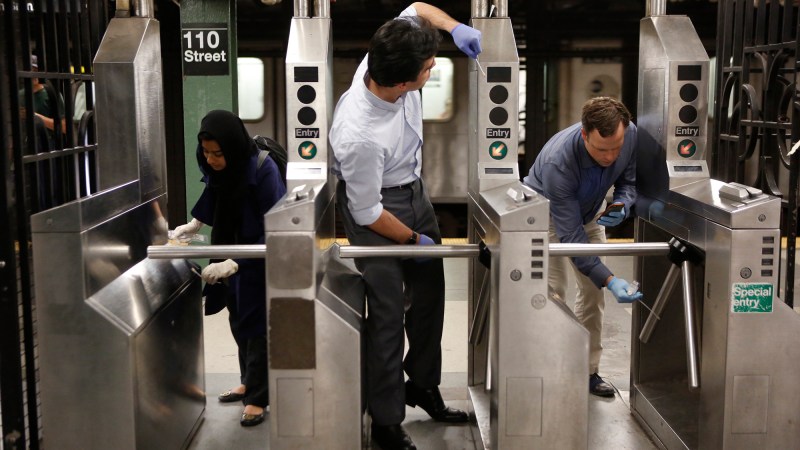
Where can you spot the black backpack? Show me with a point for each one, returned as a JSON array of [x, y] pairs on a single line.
[[269, 147]]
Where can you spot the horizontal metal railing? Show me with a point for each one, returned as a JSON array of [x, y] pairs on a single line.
[[405, 251]]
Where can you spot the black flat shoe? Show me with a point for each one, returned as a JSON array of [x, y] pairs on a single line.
[[230, 397], [431, 401], [392, 437], [251, 420], [598, 386]]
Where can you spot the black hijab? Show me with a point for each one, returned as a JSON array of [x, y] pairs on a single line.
[[228, 185]]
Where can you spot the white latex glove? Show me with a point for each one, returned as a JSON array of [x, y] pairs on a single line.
[[217, 271], [184, 233]]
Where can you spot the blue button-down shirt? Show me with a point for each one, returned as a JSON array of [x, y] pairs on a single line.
[[375, 143], [576, 187]]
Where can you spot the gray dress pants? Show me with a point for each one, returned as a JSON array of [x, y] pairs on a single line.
[[399, 289]]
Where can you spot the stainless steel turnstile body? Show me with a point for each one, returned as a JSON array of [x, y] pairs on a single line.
[[315, 301], [316, 305], [714, 367], [528, 365], [748, 393], [528, 355], [120, 337]]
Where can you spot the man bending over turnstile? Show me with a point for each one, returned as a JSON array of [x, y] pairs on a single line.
[[574, 171], [377, 140]]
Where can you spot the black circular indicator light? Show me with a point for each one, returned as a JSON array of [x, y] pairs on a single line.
[[306, 115], [688, 92], [498, 94], [498, 116], [687, 114], [306, 94]]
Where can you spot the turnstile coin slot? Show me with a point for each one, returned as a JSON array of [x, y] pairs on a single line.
[[498, 171]]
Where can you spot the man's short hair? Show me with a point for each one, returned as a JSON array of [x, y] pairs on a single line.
[[604, 114], [399, 49]]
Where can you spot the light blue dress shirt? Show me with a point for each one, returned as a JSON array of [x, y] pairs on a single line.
[[375, 143]]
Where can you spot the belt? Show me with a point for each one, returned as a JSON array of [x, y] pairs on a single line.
[[402, 186]]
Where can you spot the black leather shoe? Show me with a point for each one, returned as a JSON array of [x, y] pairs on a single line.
[[392, 437], [230, 397], [599, 387], [251, 420], [431, 401]]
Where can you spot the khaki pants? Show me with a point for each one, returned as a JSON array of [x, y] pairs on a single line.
[[589, 303]]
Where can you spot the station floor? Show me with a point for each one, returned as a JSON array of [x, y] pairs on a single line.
[[611, 425]]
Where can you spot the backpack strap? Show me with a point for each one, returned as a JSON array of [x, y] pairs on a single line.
[[262, 156]]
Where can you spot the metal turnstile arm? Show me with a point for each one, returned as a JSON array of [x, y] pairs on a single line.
[[681, 256], [661, 301], [692, 353], [206, 251], [481, 313], [473, 250]]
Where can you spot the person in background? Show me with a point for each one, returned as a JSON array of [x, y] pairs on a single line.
[[238, 192], [46, 102], [575, 170], [376, 138]]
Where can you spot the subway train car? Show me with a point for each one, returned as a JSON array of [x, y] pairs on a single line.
[[103, 345]]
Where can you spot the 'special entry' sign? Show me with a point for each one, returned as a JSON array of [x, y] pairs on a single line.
[[205, 49]]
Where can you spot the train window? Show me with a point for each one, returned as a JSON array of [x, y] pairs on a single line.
[[437, 95], [251, 88]]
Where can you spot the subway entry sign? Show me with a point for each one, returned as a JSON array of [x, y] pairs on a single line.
[[752, 297], [205, 49]]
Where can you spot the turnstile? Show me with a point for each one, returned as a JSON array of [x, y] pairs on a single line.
[[528, 355], [120, 337], [315, 302], [710, 364]]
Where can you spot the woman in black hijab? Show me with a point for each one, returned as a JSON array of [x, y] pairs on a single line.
[[239, 190]]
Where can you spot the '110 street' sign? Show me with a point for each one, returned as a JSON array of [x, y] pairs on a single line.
[[205, 49]]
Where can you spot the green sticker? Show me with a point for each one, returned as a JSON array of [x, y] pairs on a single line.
[[498, 150], [752, 297], [307, 150]]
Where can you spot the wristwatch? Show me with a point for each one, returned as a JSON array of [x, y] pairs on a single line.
[[413, 239]]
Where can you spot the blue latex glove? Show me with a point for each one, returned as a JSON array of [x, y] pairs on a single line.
[[467, 39], [619, 288], [612, 219], [424, 240]]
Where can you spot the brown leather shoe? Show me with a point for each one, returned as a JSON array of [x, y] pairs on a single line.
[[431, 401]]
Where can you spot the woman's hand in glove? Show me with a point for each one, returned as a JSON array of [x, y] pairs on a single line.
[[185, 232], [217, 271]]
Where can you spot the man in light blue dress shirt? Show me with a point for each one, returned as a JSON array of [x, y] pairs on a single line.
[[574, 170], [376, 138]]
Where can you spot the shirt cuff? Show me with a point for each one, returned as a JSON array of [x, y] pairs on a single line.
[[367, 216]]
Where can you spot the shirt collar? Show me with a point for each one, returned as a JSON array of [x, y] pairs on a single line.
[[584, 158], [377, 102]]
